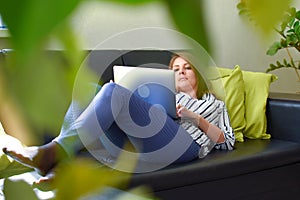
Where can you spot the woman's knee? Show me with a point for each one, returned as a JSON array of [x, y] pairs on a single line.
[[109, 86], [107, 89]]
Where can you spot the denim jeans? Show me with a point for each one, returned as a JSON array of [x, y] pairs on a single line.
[[116, 115]]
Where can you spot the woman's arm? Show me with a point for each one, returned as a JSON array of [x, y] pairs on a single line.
[[224, 124], [212, 131]]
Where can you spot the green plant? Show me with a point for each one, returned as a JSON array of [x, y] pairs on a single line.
[[289, 31], [288, 20]]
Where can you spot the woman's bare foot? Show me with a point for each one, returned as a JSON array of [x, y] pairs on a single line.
[[42, 158]]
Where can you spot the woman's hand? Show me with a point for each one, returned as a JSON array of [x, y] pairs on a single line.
[[186, 114], [212, 131]]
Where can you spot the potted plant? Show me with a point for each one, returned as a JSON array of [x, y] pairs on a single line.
[[289, 31]]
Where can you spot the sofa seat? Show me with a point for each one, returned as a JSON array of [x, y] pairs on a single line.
[[247, 157]]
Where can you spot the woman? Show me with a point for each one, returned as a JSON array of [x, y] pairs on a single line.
[[203, 124], [210, 125]]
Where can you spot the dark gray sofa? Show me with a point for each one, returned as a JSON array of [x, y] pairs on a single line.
[[255, 169]]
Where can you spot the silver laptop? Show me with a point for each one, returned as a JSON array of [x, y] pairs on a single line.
[[156, 86]]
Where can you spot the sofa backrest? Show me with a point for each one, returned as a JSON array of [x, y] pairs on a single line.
[[102, 61], [283, 112], [283, 116]]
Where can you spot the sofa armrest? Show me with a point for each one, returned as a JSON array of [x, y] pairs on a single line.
[[283, 116]]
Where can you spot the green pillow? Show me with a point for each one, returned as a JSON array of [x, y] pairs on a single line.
[[257, 86], [232, 93], [8, 166]]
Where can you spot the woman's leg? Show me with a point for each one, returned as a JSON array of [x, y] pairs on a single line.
[[44, 158], [115, 112], [68, 138], [154, 135]]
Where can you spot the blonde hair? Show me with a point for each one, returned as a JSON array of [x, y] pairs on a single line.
[[202, 87]]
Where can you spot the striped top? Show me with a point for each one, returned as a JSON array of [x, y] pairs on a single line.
[[215, 112]]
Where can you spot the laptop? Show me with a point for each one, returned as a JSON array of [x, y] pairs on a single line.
[[156, 86]]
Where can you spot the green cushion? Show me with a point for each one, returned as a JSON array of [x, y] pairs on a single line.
[[257, 86], [8, 166], [232, 93]]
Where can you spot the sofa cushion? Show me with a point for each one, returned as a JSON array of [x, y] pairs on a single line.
[[249, 156], [256, 93], [230, 89]]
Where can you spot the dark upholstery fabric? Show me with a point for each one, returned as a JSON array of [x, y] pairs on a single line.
[[283, 117], [273, 184], [147, 58], [102, 62], [255, 169], [248, 157]]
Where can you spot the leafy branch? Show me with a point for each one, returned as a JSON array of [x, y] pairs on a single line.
[[289, 31], [290, 38]]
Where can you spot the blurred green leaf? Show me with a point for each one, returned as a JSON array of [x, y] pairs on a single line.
[[241, 5], [82, 177], [274, 48], [282, 43], [267, 13], [244, 11], [30, 21], [285, 22], [40, 83], [296, 27], [292, 11], [132, 2], [189, 18], [298, 15], [291, 39], [14, 190], [43, 89], [139, 193], [292, 20]]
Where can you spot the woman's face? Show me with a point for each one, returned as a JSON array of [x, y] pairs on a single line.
[[185, 77]]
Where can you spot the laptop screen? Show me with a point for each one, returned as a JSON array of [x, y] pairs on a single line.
[[156, 86]]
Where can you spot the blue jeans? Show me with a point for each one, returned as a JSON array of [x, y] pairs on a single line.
[[115, 116]]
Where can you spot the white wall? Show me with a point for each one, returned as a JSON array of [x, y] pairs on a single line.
[[236, 42], [233, 41], [99, 21]]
